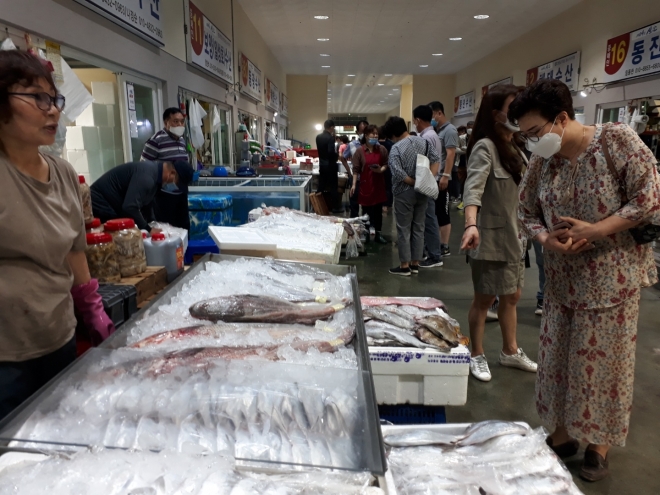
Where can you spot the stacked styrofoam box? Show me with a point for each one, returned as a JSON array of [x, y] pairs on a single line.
[[405, 375]]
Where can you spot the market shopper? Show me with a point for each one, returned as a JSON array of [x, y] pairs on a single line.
[[495, 248], [43, 269], [328, 179], [422, 116], [409, 205], [384, 140], [572, 203], [369, 165], [349, 151], [449, 138], [129, 190]]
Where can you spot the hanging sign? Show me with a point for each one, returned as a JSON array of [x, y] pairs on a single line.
[[564, 69], [208, 47], [272, 96], [54, 56], [250, 82], [464, 104], [142, 17], [633, 54], [130, 95], [285, 105], [486, 89]]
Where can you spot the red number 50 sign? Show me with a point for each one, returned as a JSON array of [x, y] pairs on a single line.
[[617, 51]]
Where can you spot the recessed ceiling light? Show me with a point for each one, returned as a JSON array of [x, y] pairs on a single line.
[[349, 85], [481, 16], [326, 39], [395, 89], [321, 17], [437, 54], [325, 54], [388, 75], [325, 67], [452, 39], [381, 84], [423, 65], [351, 75], [382, 101]]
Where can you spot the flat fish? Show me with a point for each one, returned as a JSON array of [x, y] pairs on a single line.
[[420, 302], [445, 327], [486, 430], [376, 331], [419, 437], [387, 317], [429, 337], [261, 309]]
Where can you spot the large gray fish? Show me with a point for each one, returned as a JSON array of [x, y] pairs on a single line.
[[446, 328], [376, 313], [379, 330], [486, 430], [261, 309], [419, 437], [429, 337]]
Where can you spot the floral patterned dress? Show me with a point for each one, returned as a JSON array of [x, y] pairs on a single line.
[[589, 327]]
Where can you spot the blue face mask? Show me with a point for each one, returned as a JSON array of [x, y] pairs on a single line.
[[434, 123], [170, 187], [373, 141]]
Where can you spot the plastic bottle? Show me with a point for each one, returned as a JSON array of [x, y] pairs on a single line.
[[94, 227], [130, 248], [101, 255], [165, 251]]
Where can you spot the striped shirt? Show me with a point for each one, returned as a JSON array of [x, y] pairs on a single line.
[[161, 147], [403, 160]]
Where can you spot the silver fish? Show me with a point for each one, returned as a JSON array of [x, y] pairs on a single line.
[[405, 339], [399, 312], [486, 430], [388, 317], [419, 437]]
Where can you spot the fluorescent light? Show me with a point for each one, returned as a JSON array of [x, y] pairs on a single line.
[[321, 17], [455, 39], [583, 94], [351, 75], [325, 54], [423, 65], [325, 67], [275, 114], [382, 101], [437, 54], [388, 75], [481, 16], [322, 39], [395, 89], [318, 127], [381, 84], [140, 123], [349, 85], [389, 94]]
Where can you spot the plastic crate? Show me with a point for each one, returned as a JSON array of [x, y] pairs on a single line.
[[198, 248], [129, 293], [406, 414], [113, 302]]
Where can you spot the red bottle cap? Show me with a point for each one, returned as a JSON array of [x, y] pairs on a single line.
[[158, 237], [98, 238], [119, 224], [81, 179], [94, 224]]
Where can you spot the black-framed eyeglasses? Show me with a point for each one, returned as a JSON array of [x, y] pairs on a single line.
[[534, 138], [44, 101]]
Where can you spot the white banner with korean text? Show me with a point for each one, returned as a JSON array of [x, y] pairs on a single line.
[[565, 69], [209, 48], [250, 82], [464, 104], [272, 96], [634, 54]]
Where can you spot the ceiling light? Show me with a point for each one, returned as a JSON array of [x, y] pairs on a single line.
[[275, 114], [349, 85], [423, 65], [381, 84], [324, 17], [481, 16], [325, 67], [389, 94], [382, 101], [351, 75], [395, 89], [326, 39], [450, 39], [437, 54], [388, 75], [325, 54], [318, 127], [583, 93]]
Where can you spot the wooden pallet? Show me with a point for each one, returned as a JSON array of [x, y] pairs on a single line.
[[318, 204], [147, 284]]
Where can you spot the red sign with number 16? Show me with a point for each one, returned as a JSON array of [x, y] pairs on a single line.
[[617, 51], [634, 54]]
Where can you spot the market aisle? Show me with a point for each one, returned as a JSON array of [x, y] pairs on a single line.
[[510, 395]]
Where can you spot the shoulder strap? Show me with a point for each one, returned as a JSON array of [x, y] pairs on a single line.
[[426, 152], [610, 164]]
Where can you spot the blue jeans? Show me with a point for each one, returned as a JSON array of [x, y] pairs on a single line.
[[538, 251], [432, 232]]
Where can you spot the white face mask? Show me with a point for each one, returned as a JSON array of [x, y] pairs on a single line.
[[549, 144], [511, 127], [177, 131], [469, 131]]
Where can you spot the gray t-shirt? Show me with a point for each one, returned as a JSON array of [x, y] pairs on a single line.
[[449, 138]]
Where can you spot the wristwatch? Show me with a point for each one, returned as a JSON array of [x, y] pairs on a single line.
[[446, 175]]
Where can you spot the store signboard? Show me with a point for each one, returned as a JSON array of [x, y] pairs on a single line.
[[272, 96], [208, 47], [486, 89], [250, 78], [564, 69], [130, 95], [634, 54], [142, 17], [285, 105], [464, 104]]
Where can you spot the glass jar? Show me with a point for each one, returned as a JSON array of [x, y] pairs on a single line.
[[101, 255], [94, 227], [130, 248], [86, 198]]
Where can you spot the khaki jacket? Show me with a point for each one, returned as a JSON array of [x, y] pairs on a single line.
[[490, 187]]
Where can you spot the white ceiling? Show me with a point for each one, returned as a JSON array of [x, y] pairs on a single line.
[[377, 37]]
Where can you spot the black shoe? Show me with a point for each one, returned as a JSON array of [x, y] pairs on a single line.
[[402, 272], [564, 450], [431, 263], [380, 239], [594, 467], [414, 269], [444, 250]]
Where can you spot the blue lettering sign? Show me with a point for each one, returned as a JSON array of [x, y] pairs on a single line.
[[638, 52]]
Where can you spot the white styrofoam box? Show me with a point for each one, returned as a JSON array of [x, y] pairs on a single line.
[[78, 158], [104, 92], [12, 458], [108, 159], [107, 137], [231, 238], [82, 138], [95, 114], [119, 156], [112, 118], [95, 161], [420, 376]]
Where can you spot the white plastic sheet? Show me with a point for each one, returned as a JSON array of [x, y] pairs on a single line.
[[197, 113]]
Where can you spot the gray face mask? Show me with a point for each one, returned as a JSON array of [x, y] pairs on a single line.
[[511, 127]]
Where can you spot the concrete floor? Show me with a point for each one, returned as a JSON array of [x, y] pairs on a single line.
[[634, 469]]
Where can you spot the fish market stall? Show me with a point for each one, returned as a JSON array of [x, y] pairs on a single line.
[[498, 457], [261, 361], [418, 354]]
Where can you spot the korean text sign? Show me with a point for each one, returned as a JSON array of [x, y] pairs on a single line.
[[464, 104], [250, 79], [565, 69], [633, 54], [210, 50], [141, 16], [272, 96], [285, 105]]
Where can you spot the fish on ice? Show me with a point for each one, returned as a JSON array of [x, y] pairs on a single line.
[[420, 302], [381, 314]]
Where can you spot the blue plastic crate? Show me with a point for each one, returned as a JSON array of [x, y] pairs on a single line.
[[198, 248], [409, 414]]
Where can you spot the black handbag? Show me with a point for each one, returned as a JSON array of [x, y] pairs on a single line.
[[643, 234]]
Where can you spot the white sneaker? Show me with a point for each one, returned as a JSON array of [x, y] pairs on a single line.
[[519, 360], [479, 368], [491, 315]]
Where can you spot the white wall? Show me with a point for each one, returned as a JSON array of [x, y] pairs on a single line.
[[307, 106]]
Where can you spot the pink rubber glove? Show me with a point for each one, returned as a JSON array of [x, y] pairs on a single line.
[[89, 304]]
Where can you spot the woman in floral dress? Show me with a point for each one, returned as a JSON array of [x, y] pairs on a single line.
[[571, 203]]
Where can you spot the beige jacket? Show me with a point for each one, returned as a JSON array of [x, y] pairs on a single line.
[[490, 187]]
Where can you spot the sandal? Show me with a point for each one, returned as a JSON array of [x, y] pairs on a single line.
[[564, 450]]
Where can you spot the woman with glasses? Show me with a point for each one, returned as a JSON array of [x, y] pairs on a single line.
[[369, 166], [572, 202], [43, 269], [495, 247]]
